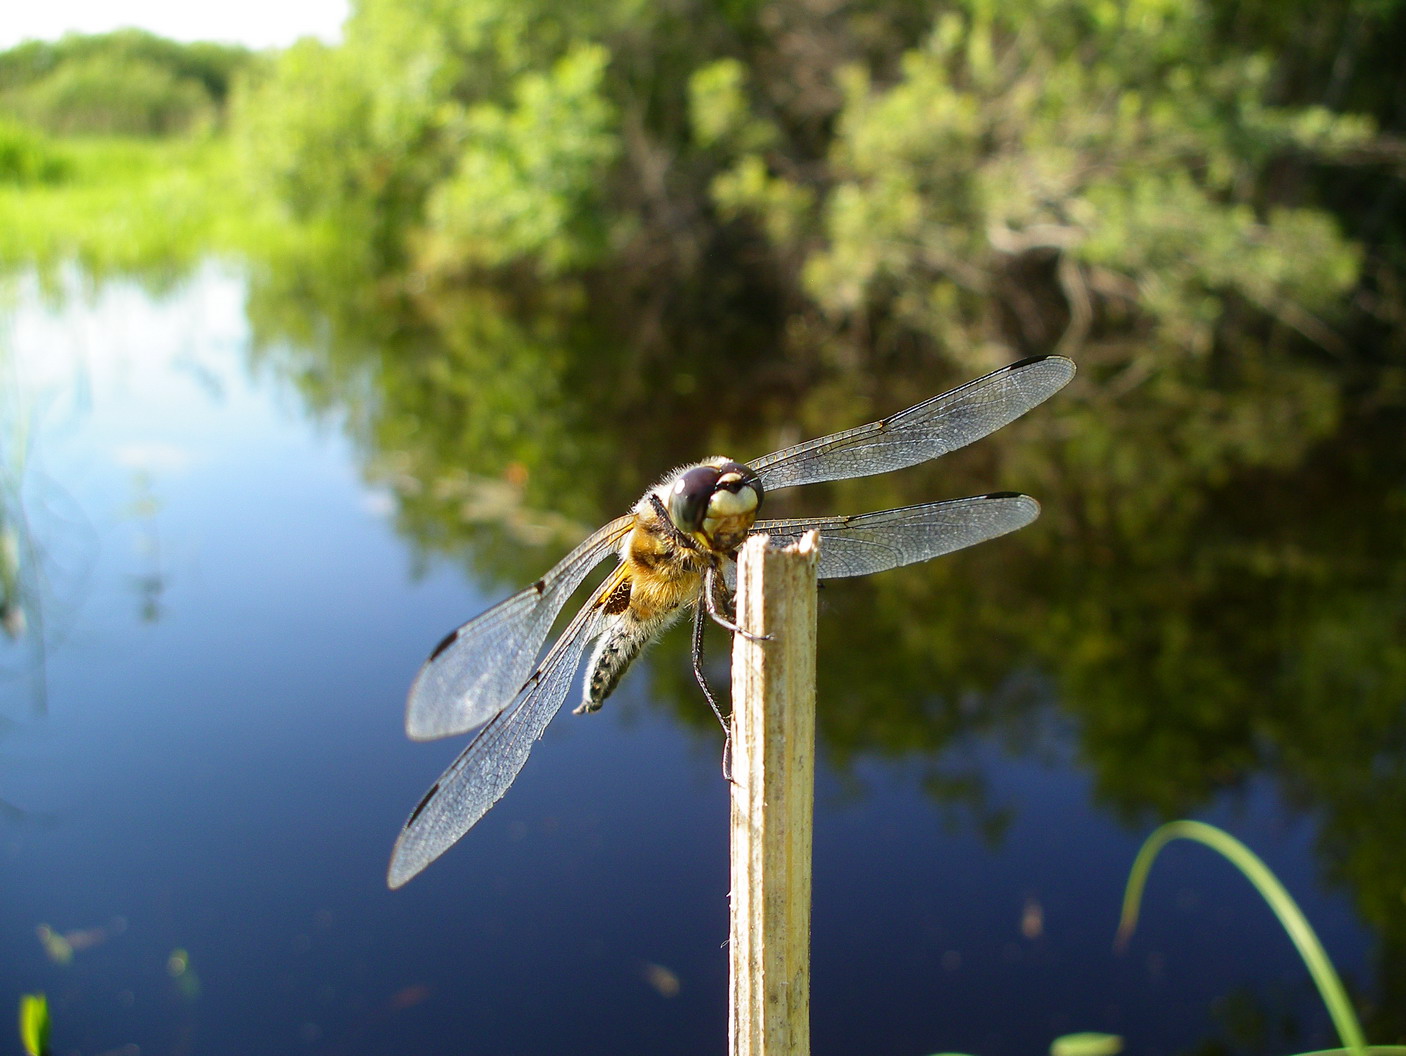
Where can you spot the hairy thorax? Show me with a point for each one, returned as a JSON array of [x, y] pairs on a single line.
[[663, 574]]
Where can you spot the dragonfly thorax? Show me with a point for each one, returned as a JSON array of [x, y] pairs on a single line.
[[714, 502]]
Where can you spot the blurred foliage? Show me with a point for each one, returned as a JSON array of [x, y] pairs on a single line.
[[320, 151], [129, 82], [109, 96], [34, 1024], [214, 66], [526, 184], [1026, 175], [28, 157], [493, 109], [151, 209]]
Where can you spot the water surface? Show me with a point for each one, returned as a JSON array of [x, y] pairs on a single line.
[[203, 768]]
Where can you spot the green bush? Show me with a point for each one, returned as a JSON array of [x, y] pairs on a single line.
[[1113, 152], [125, 83], [528, 179], [26, 157], [104, 95]]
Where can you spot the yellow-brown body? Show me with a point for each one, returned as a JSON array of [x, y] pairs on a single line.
[[664, 567]]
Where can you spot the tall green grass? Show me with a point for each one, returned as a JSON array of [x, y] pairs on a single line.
[[34, 1024], [132, 205]]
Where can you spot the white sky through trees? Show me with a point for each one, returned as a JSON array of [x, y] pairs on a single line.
[[254, 23]]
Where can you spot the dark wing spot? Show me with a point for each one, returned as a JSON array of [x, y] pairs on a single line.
[[540, 586], [434, 790], [442, 646], [619, 599]]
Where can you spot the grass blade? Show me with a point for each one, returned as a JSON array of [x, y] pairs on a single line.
[[1291, 918], [34, 1024]]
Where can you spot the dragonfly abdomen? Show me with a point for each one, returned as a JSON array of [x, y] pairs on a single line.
[[617, 648]]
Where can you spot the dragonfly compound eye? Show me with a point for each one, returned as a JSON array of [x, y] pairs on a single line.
[[688, 498], [732, 508]]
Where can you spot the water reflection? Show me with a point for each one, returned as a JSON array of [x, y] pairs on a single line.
[[1215, 592], [1208, 617]]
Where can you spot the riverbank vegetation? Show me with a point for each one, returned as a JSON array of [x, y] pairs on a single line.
[[955, 185], [119, 206], [113, 155], [1039, 174]]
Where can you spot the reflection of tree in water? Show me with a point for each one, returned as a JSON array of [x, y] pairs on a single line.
[[23, 645], [46, 551], [47, 544], [494, 422], [150, 584], [13, 620], [1215, 589], [1263, 633]]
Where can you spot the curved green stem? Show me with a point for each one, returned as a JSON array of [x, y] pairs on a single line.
[[1325, 977]]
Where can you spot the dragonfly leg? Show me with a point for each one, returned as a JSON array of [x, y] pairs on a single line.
[[702, 679], [698, 669], [719, 606]]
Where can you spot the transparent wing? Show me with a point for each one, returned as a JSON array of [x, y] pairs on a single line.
[[873, 542], [478, 669], [932, 428], [484, 770]]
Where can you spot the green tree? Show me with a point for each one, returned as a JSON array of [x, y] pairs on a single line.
[[527, 183], [107, 95], [128, 82], [1098, 178]]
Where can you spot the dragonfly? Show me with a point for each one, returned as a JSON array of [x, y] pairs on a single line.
[[675, 549]]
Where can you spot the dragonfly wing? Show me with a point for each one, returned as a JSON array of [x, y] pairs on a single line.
[[479, 668], [483, 771], [874, 542], [923, 432]]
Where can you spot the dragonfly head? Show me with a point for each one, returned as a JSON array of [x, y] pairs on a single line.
[[716, 503]]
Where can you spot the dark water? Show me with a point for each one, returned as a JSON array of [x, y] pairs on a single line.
[[203, 769]]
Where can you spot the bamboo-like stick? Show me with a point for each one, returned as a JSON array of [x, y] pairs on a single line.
[[773, 792]]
